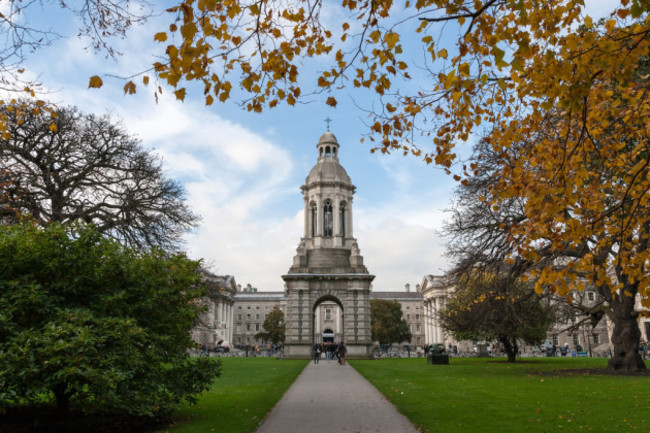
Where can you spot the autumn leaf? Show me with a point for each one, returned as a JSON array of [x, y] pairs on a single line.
[[95, 82], [129, 88], [180, 94]]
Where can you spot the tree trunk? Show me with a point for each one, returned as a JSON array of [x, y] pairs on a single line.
[[510, 347], [626, 336], [62, 399]]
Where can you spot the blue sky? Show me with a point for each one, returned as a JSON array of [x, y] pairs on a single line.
[[243, 171]]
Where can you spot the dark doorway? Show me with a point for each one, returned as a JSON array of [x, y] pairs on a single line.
[[328, 336]]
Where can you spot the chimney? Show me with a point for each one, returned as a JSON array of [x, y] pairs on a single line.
[[407, 287]]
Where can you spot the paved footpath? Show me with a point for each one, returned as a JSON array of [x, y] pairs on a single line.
[[330, 398]]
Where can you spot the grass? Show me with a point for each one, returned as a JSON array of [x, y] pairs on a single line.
[[534, 395], [246, 391]]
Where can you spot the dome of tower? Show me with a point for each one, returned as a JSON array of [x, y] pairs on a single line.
[[328, 138], [327, 171]]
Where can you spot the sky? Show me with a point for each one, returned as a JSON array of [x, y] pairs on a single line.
[[242, 171]]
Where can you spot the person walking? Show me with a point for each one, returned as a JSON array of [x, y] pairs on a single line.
[[340, 353], [316, 353]]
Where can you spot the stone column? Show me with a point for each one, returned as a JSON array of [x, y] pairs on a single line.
[[425, 314], [307, 218], [430, 336], [230, 322], [335, 218], [211, 312], [319, 218], [434, 329], [435, 319], [348, 229]]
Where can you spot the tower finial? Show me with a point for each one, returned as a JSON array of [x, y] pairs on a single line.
[[328, 120]]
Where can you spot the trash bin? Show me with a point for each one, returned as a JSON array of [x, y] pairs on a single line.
[[437, 355]]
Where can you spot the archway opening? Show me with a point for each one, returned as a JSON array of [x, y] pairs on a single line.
[[327, 320]]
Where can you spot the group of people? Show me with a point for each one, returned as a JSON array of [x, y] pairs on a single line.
[[331, 350]]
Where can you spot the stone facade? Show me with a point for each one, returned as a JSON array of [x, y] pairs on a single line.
[[569, 330], [215, 324], [250, 310], [419, 308], [435, 291]]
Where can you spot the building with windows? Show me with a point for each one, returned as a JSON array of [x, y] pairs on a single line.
[[250, 310]]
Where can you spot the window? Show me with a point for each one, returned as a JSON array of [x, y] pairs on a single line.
[[408, 308], [313, 219], [328, 314], [590, 296], [248, 317], [239, 317], [257, 308], [257, 326], [328, 228], [238, 328], [408, 317], [248, 308], [257, 317], [417, 327], [417, 317], [596, 339], [239, 308], [576, 339], [556, 341], [248, 326], [342, 219]]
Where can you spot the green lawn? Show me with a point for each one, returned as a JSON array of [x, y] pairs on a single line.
[[246, 391], [535, 395]]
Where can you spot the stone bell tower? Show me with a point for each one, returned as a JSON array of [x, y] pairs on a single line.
[[328, 265]]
